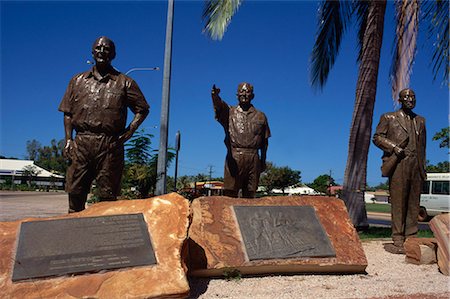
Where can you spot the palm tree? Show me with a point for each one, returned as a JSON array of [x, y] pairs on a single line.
[[333, 19], [334, 16]]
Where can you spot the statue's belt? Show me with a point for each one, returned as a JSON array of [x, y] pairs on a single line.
[[88, 133], [244, 150]]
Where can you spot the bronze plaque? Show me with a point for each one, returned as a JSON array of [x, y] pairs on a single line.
[[282, 232], [79, 245]]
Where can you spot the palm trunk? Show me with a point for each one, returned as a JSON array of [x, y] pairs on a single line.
[[361, 129]]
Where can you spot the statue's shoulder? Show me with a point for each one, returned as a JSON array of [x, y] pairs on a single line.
[[260, 116], [81, 75], [419, 117], [260, 113], [391, 115]]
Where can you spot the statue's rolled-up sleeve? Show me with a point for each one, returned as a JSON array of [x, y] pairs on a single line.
[[135, 99]]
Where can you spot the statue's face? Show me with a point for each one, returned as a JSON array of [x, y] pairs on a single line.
[[408, 99], [245, 94], [103, 51]]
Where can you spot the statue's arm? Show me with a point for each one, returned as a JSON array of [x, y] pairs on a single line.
[[424, 150], [265, 145], [221, 109], [264, 154], [140, 108], [68, 135], [380, 137], [138, 119], [66, 107]]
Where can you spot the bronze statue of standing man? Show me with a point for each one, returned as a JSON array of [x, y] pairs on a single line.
[[246, 138], [402, 137], [95, 106]]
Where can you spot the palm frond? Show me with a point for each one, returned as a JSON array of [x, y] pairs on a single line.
[[405, 43], [218, 14], [333, 17], [437, 14]]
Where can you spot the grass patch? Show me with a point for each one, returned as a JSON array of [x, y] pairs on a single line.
[[378, 207], [385, 232]]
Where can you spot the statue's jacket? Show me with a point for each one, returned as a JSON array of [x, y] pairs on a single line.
[[393, 130]]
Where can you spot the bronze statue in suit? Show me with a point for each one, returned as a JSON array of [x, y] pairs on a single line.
[[402, 137]]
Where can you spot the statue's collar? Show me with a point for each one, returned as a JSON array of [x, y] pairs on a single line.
[[112, 74]]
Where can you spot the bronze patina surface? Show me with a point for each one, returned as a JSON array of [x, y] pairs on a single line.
[[77, 245], [402, 137], [246, 138], [274, 232], [95, 106]]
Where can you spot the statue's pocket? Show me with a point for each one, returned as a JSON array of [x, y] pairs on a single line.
[[113, 100]]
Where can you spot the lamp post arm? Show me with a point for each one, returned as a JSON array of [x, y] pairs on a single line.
[[142, 69]]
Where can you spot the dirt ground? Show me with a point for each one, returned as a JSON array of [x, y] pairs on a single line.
[[388, 276]]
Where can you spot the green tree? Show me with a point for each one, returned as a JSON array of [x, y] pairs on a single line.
[[49, 157], [439, 167], [443, 136], [33, 147], [279, 177], [322, 182], [30, 172], [141, 164], [138, 148], [380, 186]]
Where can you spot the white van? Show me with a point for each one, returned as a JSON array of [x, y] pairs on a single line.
[[435, 197]]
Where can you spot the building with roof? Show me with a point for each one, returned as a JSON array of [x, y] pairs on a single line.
[[23, 171]]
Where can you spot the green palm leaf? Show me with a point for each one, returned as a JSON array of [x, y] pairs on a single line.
[[333, 18], [437, 13], [218, 15]]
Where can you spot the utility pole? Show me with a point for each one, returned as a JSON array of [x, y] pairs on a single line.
[[161, 183], [329, 184], [210, 172], [177, 150], [210, 176]]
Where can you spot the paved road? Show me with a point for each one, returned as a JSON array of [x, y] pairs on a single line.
[[18, 205], [384, 220]]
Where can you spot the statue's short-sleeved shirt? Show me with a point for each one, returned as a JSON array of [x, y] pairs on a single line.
[[244, 129], [99, 104]]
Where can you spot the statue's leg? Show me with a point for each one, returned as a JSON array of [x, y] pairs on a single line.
[[252, 166], [110, 164], [248, 194], [399, 189], [77, 202], [79, 174], [231, 178], [413, 205]]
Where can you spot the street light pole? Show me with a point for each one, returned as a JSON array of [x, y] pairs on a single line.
[[161, 183]]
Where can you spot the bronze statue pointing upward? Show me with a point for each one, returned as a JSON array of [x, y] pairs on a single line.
[[246, 134], [95, 106]]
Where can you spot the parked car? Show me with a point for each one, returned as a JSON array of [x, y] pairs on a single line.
[[435, 197]]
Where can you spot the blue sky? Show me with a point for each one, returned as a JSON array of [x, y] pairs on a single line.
[[43, 44]]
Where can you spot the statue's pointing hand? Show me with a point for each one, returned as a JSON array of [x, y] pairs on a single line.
[[215, 90]]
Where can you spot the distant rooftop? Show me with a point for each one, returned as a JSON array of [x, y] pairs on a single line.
[[16, 167]]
